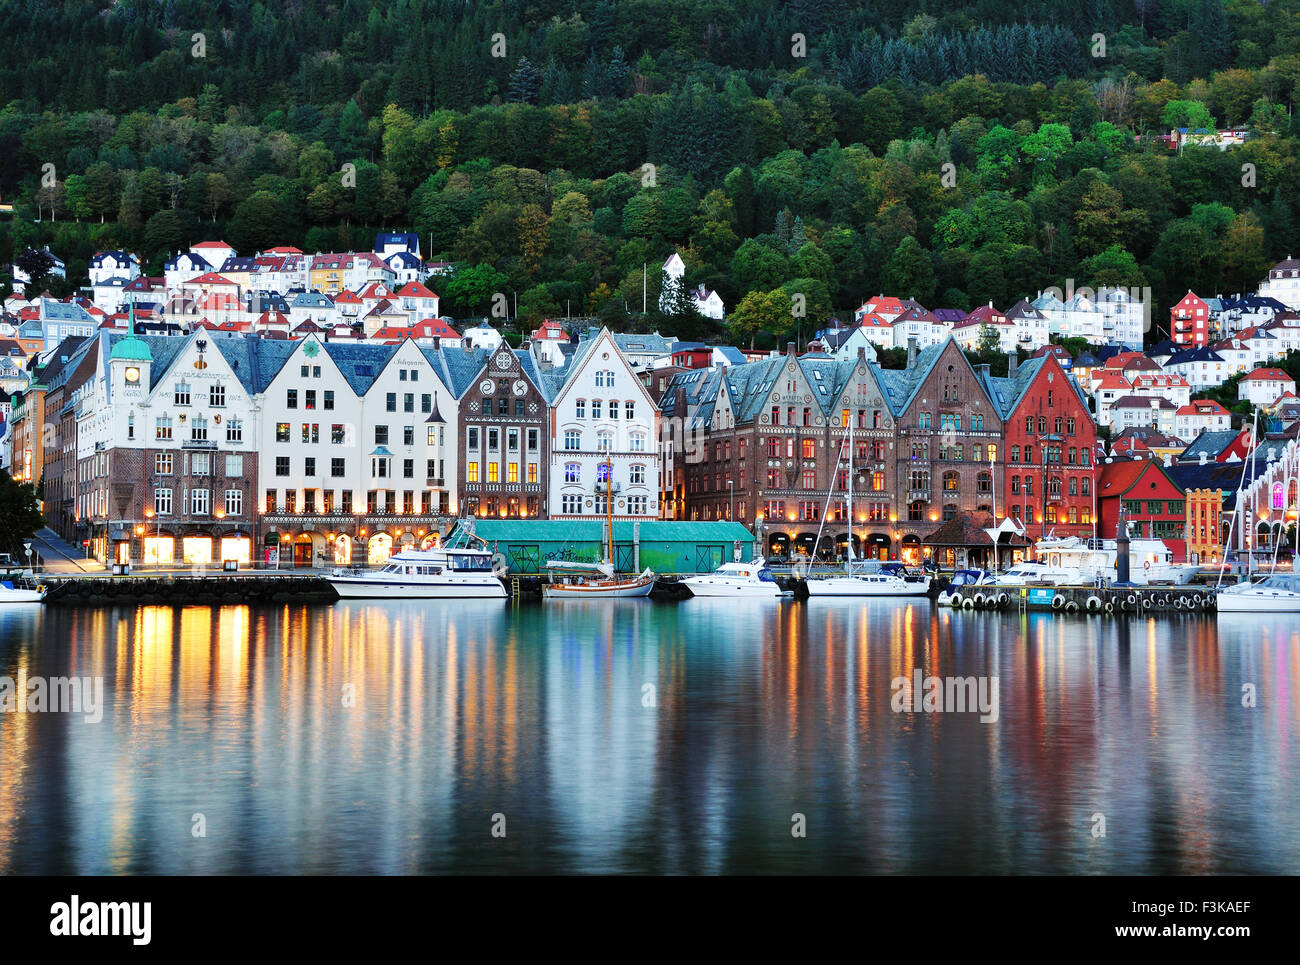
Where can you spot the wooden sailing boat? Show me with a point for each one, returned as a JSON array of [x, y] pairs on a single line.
[[585, 581]]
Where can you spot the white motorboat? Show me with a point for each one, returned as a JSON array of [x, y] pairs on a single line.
[[1023, 574], [1279, 593], [9, 593], [879, 584], [1074, 561], [752, 579], [595, 581], [451, 573]]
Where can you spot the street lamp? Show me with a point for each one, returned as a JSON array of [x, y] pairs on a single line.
[[731, 492]]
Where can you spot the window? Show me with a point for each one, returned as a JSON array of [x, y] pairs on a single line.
[[163, 427], [282, 465], [216, 396], [595, 408], [391, 402], [580, 409], [572, 472], [636, 474], [346, 506], [309, 466], [408, 402], [328, 399], [984, 483], [337, 467], [408, 468], [570, 503], [291, 399], [182, 393], [291, 500], [809, 448], [309, 399], [471, 472], [471, 439], [311, 432], [512, 440], [162, 464], [234, 502], [200, 464], [636, 442], [282, 432], [408, 435], [532, 473], [532, 440], [200, 502], [235, 430], [613, 408], [951, 482], [604, 441], [877, 481], [1015, 485], [234, 466], [494, 440], [915, 511], [808, 479], [381, 435], [629, 410], [162, 502], [271, 495], [426, 403]]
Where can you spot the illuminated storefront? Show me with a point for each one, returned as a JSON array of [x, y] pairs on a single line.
[[238, 548], [159, 550], [196, 550]]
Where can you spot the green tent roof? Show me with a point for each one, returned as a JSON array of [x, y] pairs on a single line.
[[132, 349], [593, 531]]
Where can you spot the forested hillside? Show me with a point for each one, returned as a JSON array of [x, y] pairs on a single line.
[[554, 148]]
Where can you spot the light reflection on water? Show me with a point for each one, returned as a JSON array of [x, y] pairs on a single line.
[[647, 738]]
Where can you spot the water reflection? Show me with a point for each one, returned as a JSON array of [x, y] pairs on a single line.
[[638, 737]]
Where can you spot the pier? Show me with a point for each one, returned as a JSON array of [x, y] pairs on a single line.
[[1082, 599]]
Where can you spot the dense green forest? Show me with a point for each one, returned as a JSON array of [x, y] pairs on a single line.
[[956, 153]]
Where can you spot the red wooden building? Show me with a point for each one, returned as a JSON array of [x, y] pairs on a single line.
[[1051, 441], [1154, 505]]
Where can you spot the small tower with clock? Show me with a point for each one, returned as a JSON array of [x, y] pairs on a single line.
[[129, 363]]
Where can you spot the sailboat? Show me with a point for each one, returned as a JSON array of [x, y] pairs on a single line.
[[856, 581], [586, 581]]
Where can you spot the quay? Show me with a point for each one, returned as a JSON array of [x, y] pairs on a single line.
[[1082, 599]]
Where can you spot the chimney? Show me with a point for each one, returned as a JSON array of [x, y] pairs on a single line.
[[911, 351], [789, 348], [985, 371], [862, 353], [1202, 459], [1013, 364], [437, 343]]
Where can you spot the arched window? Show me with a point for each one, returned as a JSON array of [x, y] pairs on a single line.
[[984, 482], [951, 482], [1277, 496]]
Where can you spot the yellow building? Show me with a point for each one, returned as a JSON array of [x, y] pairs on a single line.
[[1203, 531]]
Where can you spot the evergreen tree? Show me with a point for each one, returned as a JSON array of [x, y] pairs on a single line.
[[618, 73], [595, 82], [525, 83]]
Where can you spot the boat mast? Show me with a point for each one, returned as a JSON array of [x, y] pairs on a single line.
[[849, 556], [609, 506]]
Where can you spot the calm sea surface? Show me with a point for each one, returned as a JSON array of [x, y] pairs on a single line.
[[394, 738]]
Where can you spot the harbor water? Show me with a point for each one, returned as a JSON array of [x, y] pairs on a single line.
[[708, 736]]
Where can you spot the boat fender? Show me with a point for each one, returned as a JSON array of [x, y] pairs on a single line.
[[1179, 603], [978, 601], [1146, 603], [1003, 599], [1094, 604], [1130, 601], [1058, 601], [1110, 607], [1071, 607], [967, 603]]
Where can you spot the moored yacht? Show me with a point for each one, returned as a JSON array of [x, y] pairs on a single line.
[[447, 573], [887, 580], [752, 579], [1279, 593], [9, 593]]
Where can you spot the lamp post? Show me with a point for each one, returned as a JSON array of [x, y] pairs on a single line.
[[731, 492]]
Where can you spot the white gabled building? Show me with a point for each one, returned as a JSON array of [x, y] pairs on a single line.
[[359, 452], [601, 411], [707, 302], [1283, 283]]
